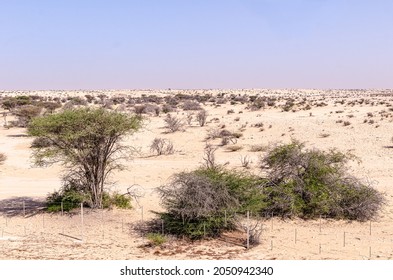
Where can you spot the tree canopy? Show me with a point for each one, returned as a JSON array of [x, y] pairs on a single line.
[[87, 142]]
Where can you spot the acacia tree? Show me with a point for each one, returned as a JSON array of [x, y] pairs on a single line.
[[87, 142]]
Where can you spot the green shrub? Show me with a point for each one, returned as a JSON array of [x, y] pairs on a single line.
[[69, 197], [202, 203], [156, 239], [310, 183]]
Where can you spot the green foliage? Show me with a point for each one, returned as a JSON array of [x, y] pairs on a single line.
[[69, 197], [156, 239], [203, 202], [310, 183], [88, 143], [116, 199]]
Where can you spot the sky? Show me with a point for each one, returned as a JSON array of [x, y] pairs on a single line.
[[199, 44]]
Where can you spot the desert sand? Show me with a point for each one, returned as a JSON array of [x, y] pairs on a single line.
[[111, 234]]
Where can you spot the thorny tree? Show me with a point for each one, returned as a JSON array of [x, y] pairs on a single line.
[[87, 142]]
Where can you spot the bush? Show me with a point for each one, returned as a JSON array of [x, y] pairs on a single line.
[[310, 183], [201, 117], [156, 239], [162, 146], [26, 113], [191, 105], [116, 199], [69, 197], [196, 201], [172, 123]]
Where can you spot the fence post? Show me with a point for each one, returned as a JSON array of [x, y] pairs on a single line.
[[24, 209], [62, 209], [122, 225], [344, 240], [248, 230], [82, 221], [295, 235], [320, 223], [102, 223], [204, 230], [370, 227], [225, 218]]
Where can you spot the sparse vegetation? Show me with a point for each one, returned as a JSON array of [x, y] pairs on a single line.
[[309, 183], [173, 123], [162, 146], [88, 142]]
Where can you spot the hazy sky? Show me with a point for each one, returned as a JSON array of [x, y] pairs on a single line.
[[119, 44]]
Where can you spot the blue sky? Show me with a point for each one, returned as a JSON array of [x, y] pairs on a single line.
[[119, 44]]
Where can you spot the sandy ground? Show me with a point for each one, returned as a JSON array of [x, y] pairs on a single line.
[[112, 234]]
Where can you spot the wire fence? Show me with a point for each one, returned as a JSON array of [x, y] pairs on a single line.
[[322, 238]]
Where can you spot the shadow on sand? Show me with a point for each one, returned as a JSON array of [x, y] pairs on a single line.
[[21, 206]]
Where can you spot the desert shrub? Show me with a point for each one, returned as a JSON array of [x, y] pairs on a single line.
[[233, 148], [201, 117], [173, 123], [70, 196], [41, 142], [156, 239], [50, 106], [191, 105], [310, 183], [346, 123], [258, 148], [26, 113], [195, 202], [167, 108], [162, 146], [115, 199]]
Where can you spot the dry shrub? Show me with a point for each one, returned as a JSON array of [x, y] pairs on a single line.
[[191, 105], [26, 113], [162, 146], [196, 202], [234, 148], [173, 123], [201, 117]]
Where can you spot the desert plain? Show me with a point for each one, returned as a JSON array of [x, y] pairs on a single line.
[[355, 121]]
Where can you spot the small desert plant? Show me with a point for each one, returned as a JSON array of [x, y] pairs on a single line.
[[201, 117], [191, 105], [258, 148], [245, 161], [173, 123], [122, 201], [346, 123], [233, 148], [209, 157], [162, 146], [156, 239]]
